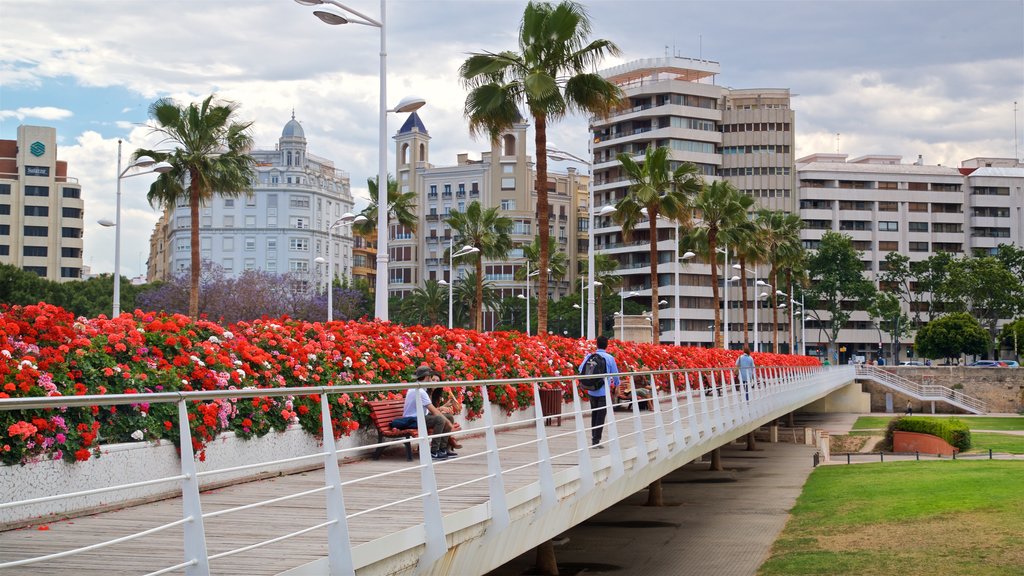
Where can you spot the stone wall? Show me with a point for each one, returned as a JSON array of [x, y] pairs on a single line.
[[1002, 389]]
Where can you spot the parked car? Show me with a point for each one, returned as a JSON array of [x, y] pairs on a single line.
[[911, 363], [1011, 363], [993, 364]]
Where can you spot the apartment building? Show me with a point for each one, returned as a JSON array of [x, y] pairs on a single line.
[[503, 177], [744, 136], [41, 207], [283, 226], [915, 209]]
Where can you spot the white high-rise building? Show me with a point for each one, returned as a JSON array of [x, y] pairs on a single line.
[[281, 227]]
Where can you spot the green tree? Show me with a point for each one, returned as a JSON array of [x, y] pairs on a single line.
[[721, 209], [210, 158], [1012, 336], [551, 75], [23, 288], [490, 233], [558, 262], [779, 235], [401, 207], [836, 281], [950, 336], [886, 311], [656, 189], [931, 275], [427, 305], [985, 288], [610, 282], [745, 244], [465, 298]]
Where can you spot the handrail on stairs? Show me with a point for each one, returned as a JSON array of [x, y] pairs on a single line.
[[928, 392]]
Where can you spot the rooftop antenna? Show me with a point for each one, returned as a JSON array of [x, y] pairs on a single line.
[[700, 47], [837, 142], [1016, 135], [666, 50]]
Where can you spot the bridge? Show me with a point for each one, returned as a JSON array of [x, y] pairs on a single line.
[[923, 392], [515, 485]]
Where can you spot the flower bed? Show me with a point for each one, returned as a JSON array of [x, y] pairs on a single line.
[[46, 351]]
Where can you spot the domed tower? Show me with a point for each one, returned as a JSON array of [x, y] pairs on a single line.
[[293, 145]]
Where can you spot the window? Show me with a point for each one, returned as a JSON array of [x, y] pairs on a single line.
[[250, 201], [856, 225], [70, 272], [5, 229], [37, 270], [271, 244], [229, 221], [228, 243], [205, 221], [888, 245], [888, 226], [508, 183], [37, 231], [300, 223], [947, 228], [855, 205], [918, 246], [888, 185], [249, 265], [229, 265], [917, 226], [42, 191], [250, 243], [5, 209], [298, 202], [888, 206], [70, 252], [298, 244], [34, 251], [917, 206], [71, 212], [298, 265], [5, 250], [5, 189], [508, 204], [229, 202], [182, 245], [250, 221]]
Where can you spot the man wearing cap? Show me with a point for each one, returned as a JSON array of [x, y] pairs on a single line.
[[434, 419]]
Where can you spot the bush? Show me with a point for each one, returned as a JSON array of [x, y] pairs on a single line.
[[952, 430]]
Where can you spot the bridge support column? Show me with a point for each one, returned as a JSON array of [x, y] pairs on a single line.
[[546, 562], [751, 442], [716, 461], [773, 434], [654, 494]]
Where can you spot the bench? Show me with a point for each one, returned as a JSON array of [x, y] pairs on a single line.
[[382, 412]]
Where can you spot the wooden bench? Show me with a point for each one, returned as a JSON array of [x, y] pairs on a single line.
[[382, 413]]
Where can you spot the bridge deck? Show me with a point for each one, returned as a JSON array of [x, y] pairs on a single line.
[[258, 524]]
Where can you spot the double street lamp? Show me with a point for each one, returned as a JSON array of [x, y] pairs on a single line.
[[140, 162], [347, 219], [452, 255], [408, 104], [622, 311]]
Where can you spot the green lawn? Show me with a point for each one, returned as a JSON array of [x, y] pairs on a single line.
[[973, 422], [1002, 443], [927, 518]]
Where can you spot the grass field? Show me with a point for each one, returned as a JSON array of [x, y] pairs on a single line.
[[908, 518], [1003, 443], [973, 422]]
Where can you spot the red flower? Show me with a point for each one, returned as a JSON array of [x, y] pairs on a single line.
[[81, 455]]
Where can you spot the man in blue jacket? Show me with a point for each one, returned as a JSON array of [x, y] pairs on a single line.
[[598, 398]]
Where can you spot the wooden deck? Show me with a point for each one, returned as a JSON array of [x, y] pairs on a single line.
[[252, 526]]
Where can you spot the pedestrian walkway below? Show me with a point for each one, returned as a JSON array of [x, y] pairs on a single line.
[[721, 523]]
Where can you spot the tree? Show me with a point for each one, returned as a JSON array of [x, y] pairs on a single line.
[[886, 309], [427, 305], [721, 208], [465, 297], [779, 234], [558, 262], [747, 247], [836, 280], [490, 233], [210, 158], [1012, 336], [950, 336], [931, 274], [551, 76], [610, 282], [985, 288], [656, 189], [401, 207]]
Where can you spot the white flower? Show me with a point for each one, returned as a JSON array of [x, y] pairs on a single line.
[[228, 335], [144, 413], [6, 353], [213, 340], [138, 435], [240, 372], [311, 356], [347, 362]]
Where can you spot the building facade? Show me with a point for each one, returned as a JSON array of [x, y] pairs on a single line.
[[504, 177], [282, 227], [41, 208], [743, 136]]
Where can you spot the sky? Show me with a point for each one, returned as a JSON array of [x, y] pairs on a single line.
[[934, 78]]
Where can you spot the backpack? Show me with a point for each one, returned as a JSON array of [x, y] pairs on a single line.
[[594, 365]]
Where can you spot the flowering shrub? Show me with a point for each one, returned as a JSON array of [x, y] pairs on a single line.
[[46, 351]]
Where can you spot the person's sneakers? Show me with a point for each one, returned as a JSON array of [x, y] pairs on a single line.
[[451, 453], [598, 446], [439, 455]]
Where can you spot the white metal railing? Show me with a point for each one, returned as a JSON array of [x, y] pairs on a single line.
[[925, 392], [687, 407]]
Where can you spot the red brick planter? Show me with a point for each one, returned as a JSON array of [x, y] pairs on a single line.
[[924, 443]]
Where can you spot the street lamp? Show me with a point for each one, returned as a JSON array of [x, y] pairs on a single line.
[[140, 162], [803, 324], [757, 303], [686, 256], [622, 311], [347, 219], [408, 104], [452, 255]]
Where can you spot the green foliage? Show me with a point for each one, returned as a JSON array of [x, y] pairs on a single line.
[[88, 298], [401, 207], [952, 430], [987, 289], [1012, 336], [490, 233], [950, 336], [836, 280]]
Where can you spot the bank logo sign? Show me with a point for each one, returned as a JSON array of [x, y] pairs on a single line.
[[37, 149]]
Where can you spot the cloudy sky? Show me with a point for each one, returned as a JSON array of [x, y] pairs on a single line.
[[937, 78]]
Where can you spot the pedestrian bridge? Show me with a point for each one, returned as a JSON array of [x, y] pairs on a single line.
[[515, 485]]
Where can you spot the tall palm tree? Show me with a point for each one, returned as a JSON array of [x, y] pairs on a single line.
[[490, 233], [426, 305], [465, 297], [780, 236], [401, 207], [552, 76], [210, 158], [660, 190], [721, 208], [605, 266], [558, 262], [745, 245]]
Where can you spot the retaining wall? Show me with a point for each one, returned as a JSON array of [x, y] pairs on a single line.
[[1002, 389]]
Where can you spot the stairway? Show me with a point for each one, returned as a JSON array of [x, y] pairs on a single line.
[[923, 392]]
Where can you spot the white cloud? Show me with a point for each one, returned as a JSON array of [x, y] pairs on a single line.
[[37, 112]]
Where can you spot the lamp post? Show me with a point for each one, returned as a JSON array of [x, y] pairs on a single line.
[[452, 255], [347, 219], [622, 311], [408, 104], [775, 320], [803, 323], [757, 302], [140, 162], [686, 256]]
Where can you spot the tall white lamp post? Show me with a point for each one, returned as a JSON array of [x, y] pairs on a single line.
[[622, 311], [347, 219], [140, 162], [452, 255], [686, 256], [757, 302], [408, 104]]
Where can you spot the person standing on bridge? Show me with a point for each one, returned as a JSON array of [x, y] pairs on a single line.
[[745, 366], [598, 398], [434, 419]]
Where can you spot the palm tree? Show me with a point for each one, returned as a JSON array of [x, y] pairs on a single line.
[[656, 189], [558, 262], [401, 207], [465, 297], [779, 233], [605, 266], [426, 305], [551, 76], [721, 208], [210, 158], [748, 250], [489, 232]]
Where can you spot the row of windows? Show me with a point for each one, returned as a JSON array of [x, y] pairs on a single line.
[[757, 127], [756, 148], [767, 192], [755, 171], [688, 145]]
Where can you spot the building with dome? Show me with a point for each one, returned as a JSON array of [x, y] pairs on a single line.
[[282, 227]]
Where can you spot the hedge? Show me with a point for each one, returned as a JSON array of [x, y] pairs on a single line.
[[952, 430]]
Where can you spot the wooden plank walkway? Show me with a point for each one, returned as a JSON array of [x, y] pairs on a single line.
[[255, 525]]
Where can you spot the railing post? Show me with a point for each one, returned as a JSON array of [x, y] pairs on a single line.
[[582, 445], [339, 546], [677, 424], [638, 427], [659, 422], [613, 434], [195, 533], [691, 414], [547, 475], [433, 521], [496, 483], [716, 403], [705, 417]]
